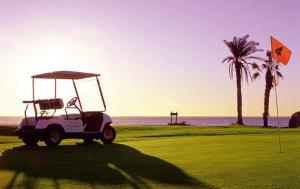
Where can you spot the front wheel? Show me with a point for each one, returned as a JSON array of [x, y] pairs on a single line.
[[53, 137], [108, 135], [30, 140]]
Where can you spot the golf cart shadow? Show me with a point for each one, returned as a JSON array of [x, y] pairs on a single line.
[[114, 165]]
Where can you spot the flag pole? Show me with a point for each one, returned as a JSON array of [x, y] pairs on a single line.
[[276, 97]]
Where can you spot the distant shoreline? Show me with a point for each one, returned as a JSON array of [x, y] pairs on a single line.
[[169, 116], [164, 120]]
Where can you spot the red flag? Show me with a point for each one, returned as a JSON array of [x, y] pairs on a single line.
[[280, 52]]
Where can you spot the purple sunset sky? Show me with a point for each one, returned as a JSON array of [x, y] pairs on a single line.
[[155, 56]]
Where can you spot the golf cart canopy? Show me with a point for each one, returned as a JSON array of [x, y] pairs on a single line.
[[57, 75], [65, 75]]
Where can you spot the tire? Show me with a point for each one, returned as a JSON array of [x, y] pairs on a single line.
[[30, 140], [108, 135], [53, 137]]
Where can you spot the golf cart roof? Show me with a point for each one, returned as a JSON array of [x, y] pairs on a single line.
[[65, 75]]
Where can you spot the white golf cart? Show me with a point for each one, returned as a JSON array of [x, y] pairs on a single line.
[[51, 129]]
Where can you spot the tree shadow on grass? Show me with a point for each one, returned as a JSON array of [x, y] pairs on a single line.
[[97, 164]]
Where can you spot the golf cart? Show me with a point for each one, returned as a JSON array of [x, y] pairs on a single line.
[[46, 126]]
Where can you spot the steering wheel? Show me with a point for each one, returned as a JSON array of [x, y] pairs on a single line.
[[43, 112], [72, 102]]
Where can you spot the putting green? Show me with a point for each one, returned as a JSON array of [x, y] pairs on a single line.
[[158, 157]]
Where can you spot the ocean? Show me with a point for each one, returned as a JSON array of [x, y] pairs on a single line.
[[197, 121]]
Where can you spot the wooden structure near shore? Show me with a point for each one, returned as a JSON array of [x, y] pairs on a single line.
[[175, 114], [176, 118]]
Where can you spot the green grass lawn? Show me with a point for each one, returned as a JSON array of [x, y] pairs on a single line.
[[157, 157]]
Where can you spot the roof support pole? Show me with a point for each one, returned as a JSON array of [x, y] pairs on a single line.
[[77, 94], [55, 88], [33, 99], [54, 95], [98, 82], [32, 89]]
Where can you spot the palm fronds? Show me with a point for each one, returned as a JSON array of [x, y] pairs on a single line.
[[271, 66], [242, 52]]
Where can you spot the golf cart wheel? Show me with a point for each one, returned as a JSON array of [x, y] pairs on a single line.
[[108, 135], [30, 140], [53, 137]]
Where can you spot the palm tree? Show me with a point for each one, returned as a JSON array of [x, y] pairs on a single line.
[[269, 67], [242, 52]]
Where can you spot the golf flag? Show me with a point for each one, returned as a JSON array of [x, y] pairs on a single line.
[[280, 52]]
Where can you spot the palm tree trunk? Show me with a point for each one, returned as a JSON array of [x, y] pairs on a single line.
[[239, 93], [268, 88]]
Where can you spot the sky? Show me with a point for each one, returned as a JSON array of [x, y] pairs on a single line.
[[153, 56]]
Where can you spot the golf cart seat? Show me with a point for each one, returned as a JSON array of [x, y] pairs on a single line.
[[48, 104]]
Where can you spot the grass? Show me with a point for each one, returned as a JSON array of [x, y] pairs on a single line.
[[157, 157]]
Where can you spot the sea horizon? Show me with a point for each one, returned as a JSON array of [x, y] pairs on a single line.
[[164, 120]]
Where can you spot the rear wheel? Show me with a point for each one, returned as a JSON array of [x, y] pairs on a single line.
[[108, 135], [53, 137], [30, 140]]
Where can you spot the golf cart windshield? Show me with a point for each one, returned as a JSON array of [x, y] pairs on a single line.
[[64, 75]]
